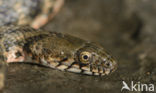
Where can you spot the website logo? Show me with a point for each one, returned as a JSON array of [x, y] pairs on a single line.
[[137, 86]]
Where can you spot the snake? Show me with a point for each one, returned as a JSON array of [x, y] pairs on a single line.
[[54, 50], [22, 40], [35, 13]]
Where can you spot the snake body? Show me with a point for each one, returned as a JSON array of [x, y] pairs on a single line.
[[54, 50], [51, 49], [34, 13]]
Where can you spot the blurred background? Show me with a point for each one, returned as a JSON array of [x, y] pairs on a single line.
[[126, 28]]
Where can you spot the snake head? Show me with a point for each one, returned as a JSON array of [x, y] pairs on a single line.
[[94, 60]]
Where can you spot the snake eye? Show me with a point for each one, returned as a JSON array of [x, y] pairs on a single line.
[[84, 57]]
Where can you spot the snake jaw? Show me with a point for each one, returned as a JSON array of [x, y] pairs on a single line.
[[101, 66]]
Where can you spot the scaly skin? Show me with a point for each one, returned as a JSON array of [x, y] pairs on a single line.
[[54, 50], [35, 13]]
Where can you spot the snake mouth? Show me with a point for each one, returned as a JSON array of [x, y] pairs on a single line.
[[97, 71], [88, 69], [80, 68], [100, 69]]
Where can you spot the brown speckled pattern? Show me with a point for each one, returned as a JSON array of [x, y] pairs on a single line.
[[54, 50], [35, 13]]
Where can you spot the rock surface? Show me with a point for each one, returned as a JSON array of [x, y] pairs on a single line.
[[126, 28]]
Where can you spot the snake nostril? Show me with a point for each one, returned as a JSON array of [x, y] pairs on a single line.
[[18, 54], [108, 64]]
